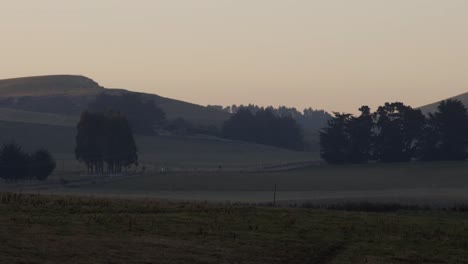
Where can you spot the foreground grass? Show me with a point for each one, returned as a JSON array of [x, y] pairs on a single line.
[[58, 229]]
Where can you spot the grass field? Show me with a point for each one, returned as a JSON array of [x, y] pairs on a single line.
[[154, 151], [434, 184], [58, 229], [426, 184], [315, 178]]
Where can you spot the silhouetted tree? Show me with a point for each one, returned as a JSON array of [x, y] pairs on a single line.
[[120, 149], [393, 133], [17, 165], [446, 136], [429, 144], [264, 127], [335, 139], [308, 119], [360, 134], [105, 138], [13, 162], [398, 129], [89, 139], [241, 126]]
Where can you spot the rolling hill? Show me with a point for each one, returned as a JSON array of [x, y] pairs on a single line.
[[42, 112], [52, 85], [69, 95]]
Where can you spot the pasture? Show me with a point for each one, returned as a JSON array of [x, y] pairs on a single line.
[[433, 184], [55, 229], [154, 151]]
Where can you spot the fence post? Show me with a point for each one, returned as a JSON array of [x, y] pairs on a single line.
[[274, 197]]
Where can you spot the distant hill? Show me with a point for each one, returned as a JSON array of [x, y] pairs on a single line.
[[70, 95], [430, 108], [42, 112], [52, 85]]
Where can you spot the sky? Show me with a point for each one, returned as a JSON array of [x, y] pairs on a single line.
[[331, 54]]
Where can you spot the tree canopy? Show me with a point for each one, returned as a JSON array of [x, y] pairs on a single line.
[[105, 138], [308, 119], [446, 133], [397, 133], [264, 127], [397, 130]]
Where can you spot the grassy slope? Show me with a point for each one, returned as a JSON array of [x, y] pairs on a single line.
[[39, 229], [29, 117], [76, 87], [56, 132], [52, 85], [80, 90], [172, 151]]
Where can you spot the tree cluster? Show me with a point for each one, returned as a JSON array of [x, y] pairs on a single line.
[[309, 118], [143, 115], [397, 133], [264, 127], [18, 165], [105, 139]]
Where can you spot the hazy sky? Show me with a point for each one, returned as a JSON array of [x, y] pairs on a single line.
[[329, 54]]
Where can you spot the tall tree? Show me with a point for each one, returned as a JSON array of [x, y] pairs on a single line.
[[120, 149], [241, 126], [360, 134], [398, 129], [429, 145], [105, 138], [89, 141], [335, 140], [447, 133]]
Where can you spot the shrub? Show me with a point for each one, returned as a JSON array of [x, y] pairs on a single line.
[[42, 164], [13, 162], [17, 165]]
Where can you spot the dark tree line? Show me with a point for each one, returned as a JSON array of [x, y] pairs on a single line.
[[18, 165], [397, 133], [308, 119], [264, 127], [143, 115], [105, 139]]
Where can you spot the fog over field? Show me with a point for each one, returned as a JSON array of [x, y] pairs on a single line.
[[431, 184]]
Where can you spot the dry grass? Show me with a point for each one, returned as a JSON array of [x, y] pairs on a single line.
[[58, 229]]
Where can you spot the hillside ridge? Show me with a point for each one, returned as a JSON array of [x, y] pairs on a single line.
[[48, 85], [432, 107], [70, 95]]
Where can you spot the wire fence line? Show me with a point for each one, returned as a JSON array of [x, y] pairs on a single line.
[[66, 165]]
